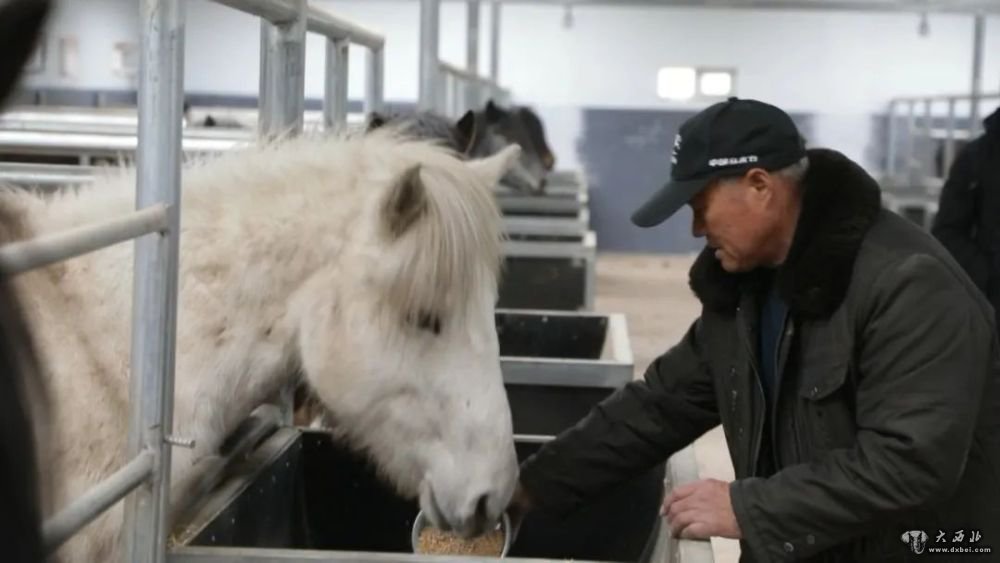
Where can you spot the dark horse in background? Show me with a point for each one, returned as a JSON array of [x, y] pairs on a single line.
[[21, 23], [482, 133]]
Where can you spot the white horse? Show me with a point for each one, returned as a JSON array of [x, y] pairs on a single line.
[[369, 264]]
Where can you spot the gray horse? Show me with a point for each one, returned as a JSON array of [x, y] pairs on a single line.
[[482, 133]]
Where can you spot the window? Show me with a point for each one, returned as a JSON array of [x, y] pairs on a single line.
[[695, 84]]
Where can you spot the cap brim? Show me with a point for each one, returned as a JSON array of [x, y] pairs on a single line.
[[667, 201]]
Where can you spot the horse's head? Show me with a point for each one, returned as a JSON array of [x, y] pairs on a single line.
[[21, 22], [536, 131], [494, 128], [399, 339]]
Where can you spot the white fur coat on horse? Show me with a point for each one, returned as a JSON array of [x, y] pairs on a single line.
[[369, 265]]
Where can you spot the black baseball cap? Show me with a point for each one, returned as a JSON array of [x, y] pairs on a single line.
[[725, 139]]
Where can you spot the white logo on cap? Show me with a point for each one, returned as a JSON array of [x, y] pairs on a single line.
[[716, 162], [677, 148]]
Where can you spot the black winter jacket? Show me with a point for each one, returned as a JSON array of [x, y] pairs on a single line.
[[888, 412]]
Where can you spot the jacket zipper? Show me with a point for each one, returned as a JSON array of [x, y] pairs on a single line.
[[780, 357], [759, 423]]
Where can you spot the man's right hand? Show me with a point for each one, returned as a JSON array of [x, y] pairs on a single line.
[[520, 505]]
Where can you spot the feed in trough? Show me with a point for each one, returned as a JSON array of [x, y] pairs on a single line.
[[436, 542]]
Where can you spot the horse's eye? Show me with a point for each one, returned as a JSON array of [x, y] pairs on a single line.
[[429, 322]]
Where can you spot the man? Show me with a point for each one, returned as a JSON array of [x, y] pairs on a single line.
[[851, 362], [968, 218]]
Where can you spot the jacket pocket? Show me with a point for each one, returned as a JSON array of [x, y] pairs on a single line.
[[825, 410]]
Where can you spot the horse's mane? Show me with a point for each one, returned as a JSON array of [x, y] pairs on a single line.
[[456, 250], [452, 252]]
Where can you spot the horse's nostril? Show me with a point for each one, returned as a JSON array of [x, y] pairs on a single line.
[[482, 507]]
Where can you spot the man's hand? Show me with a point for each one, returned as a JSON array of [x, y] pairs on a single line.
[[520, 505], [700, 510]]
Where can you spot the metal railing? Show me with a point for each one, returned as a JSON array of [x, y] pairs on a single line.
[[922, 141], [448, 89], [463, 90], [154, 226]]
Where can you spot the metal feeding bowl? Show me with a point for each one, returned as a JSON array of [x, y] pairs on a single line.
[[421, 522]]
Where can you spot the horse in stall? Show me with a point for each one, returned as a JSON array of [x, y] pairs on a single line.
[[482, 133], [367, 263]]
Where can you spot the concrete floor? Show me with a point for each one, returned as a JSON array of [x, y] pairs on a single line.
[[652, 291]]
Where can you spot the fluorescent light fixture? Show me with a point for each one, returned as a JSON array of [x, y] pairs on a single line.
[[676, 83]]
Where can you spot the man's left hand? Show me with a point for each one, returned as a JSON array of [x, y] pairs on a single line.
[[700, 510]]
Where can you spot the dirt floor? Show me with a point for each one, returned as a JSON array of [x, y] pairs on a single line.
[[652, 292]]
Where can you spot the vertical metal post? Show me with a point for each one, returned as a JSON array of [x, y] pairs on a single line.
[[949, 143], [282, 75], [430, 20], [910, 137], [495, 41], [375, 82], [335, 84], [979, 38], [927, 162], [890, 153], [471, 97], [154, 307]]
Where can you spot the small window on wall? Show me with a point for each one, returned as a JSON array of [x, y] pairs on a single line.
[[695, 84]]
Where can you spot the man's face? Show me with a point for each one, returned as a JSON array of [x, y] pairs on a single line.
[[739, 218]]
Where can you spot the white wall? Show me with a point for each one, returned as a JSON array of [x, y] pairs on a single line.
[[96, 25]]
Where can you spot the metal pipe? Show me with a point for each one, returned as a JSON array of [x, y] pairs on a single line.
[[320, 21], [154, 306], [890, 153], [375, 81], [928, 150], [88, 506], [495, 41], [901, 6], [335, 83], [282, 75], [430, 19], [22, 256], [472, 52], [274, 11], [978, 41], [949, 143]]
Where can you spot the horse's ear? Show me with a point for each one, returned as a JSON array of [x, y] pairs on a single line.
[[494, 167], [405, 203], [21, 21], [376, 120], [494, 112], [466, 128]]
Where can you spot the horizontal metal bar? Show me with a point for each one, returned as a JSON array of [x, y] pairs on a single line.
[[585, 250], [95, 501], [943, 98], [271, 555], [274, 11], [21, 256], [950, 6], [462, 73], [325, 23], [48, 142], [533, 438]]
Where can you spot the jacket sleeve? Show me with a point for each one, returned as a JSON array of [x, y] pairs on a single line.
[[957, 215], [925, 353], [636, 427]]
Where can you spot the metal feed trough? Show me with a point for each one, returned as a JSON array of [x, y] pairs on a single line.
[[301, 496], [557, 365]]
